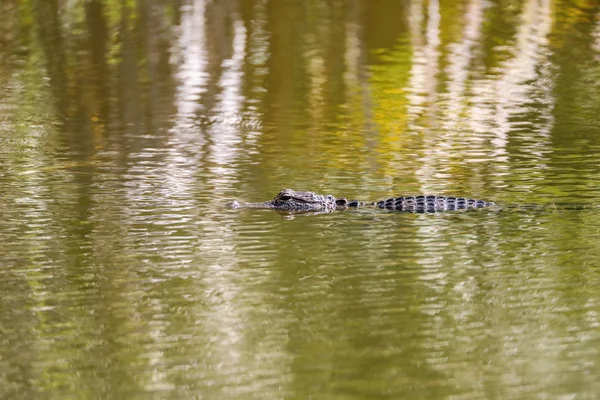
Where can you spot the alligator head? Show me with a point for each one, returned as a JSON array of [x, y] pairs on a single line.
[[292, 201]]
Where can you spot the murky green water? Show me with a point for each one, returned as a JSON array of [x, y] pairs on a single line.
[[126, 126]]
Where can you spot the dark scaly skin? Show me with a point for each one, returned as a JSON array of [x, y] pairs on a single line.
[[432, 203], [292, 201]]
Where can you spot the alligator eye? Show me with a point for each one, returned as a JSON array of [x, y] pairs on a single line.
[[285, 198]]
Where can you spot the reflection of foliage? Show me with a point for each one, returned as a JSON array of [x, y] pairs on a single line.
[[389, 81], [326, 78], [316, 76], [495, 98], [578, 89]]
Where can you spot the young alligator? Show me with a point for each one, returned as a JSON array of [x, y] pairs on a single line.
[[292, 201]]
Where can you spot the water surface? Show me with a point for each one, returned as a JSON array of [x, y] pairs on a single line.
[[126, 127]]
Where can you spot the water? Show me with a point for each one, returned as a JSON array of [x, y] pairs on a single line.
[[125, 128]]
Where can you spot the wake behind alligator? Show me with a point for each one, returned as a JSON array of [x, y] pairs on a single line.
[[292, 201]]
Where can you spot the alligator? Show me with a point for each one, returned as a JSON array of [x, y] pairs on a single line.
[[291, 201]]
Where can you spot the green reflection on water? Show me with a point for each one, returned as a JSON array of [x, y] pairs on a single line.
[[125, 127]]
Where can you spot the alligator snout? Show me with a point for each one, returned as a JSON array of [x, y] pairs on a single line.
[[233, 204]]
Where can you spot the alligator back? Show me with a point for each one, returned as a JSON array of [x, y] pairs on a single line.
[[423, 204]]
